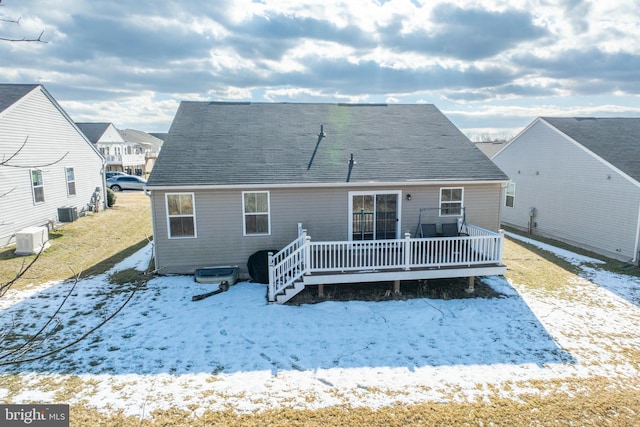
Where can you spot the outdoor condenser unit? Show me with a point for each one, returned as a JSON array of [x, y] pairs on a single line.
[[67, 214], [32, 240]]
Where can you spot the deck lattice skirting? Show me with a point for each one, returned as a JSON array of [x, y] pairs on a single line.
[[306, 262]]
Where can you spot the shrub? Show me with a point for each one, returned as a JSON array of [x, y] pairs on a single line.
[[111, 197]]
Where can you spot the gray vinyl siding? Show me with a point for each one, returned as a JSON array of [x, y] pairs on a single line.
[[323, 212], [51, 138], [578, 198]]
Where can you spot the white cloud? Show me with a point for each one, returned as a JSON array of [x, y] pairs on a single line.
[[495, 56]]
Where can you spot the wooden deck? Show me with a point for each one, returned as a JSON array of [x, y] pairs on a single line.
[[305, 262]]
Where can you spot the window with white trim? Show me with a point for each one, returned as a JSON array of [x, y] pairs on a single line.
[[510, 196], [38, 186], [71, 181], [181, 215], [256, 208], [451, 201]]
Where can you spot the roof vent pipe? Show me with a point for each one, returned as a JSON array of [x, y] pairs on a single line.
[[351, 163]]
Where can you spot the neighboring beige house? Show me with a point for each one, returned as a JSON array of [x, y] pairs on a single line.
[[49, 170], [576, 180], [341, 189], [121, 155]]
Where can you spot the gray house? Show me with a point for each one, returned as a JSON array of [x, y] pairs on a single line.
[[49, 171], [576, 180], [341, 193]]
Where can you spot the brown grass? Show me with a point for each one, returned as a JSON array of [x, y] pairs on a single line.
[[88, 246], [577, 402]]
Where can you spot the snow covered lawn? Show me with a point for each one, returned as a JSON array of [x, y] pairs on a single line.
[[233, 351]]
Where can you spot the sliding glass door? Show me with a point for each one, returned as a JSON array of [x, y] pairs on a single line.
[[374, 216]]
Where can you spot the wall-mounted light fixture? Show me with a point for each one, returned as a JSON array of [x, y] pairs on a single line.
[[408, 196]]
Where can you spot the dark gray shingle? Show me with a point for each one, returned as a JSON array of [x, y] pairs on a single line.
[[11, 93], [616, 140], [93, 131], [273, 143]]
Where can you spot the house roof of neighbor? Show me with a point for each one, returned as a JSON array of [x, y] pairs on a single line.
[[615, 140], [11, 93], [218, 143], [93, 131], [141, 137]]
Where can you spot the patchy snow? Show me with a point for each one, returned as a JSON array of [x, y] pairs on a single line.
[[234, 351], [569, 256]]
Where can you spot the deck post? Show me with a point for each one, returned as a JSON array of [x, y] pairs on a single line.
[[500, 245], [307, 254], [396, 287], [320, 290], [272, 279], [407, 251], [471, 287]]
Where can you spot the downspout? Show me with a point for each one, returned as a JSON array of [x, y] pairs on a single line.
[[149, 194], [636, 248], [104, 182]]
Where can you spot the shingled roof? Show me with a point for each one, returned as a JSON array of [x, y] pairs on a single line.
[[93, 131], [11, 93], [616, 140], [213, 143]]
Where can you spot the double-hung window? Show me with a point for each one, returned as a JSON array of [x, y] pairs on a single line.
[[71, 182], [38, 186], [255, 208], [451, 201], [181, 215], [510, 195]]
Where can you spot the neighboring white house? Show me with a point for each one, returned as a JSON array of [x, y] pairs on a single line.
[[121, 155], [48, 167], [576, 180], [150, 144]]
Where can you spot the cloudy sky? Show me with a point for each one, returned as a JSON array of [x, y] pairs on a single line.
[[492, 66]]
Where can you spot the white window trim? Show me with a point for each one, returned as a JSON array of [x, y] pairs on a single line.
[[441, 202], [506, 195], [244, 214], [373, 193], [66, 179], [33, 187], [168, 217]]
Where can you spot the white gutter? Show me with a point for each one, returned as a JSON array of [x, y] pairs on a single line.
[[413, 183], [153, 230], [636, 248]]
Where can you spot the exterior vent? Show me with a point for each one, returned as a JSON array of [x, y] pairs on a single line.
[[32, 240], [67, 214]]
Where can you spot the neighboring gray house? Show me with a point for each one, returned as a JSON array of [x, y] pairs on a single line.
[[576, 180], [47, 164], [342, 188]]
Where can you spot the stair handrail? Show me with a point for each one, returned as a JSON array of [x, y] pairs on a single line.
[[287, 265]]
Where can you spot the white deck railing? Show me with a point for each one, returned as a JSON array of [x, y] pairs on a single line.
[[305, 257]]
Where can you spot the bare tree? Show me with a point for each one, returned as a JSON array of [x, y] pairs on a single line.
[[23, 39]]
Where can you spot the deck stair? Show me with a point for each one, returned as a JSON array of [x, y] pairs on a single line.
[[290, 292]]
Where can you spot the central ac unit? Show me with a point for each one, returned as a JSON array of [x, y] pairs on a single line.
[[32, 240], [67, 214]]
